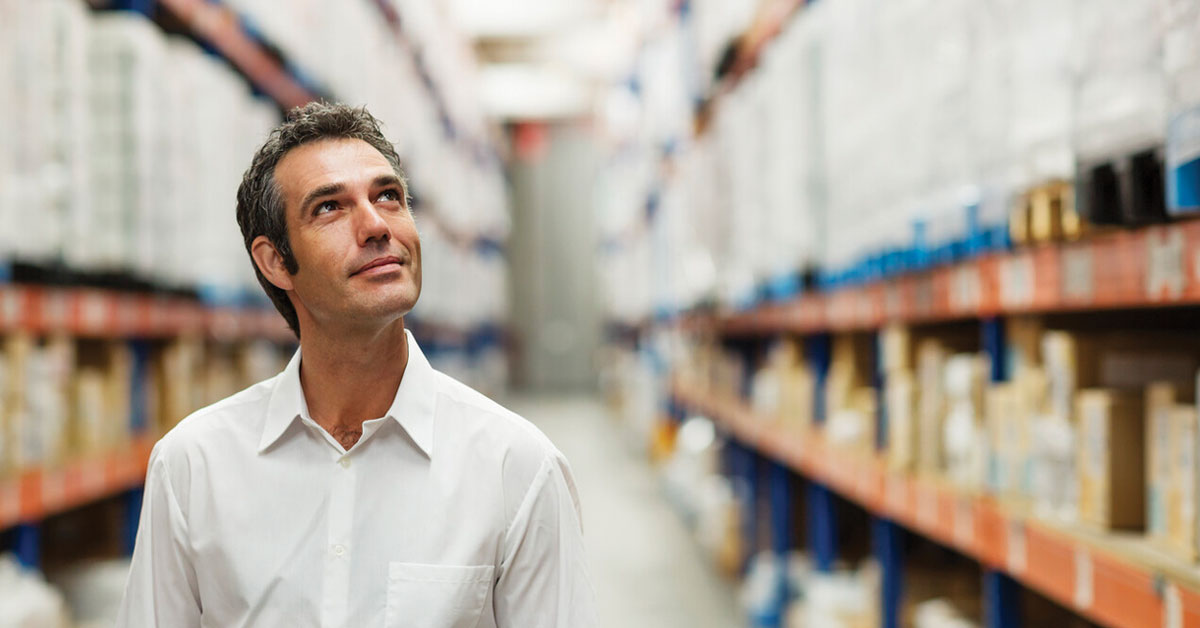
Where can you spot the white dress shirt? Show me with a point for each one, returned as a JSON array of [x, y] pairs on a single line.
[[449, 512]]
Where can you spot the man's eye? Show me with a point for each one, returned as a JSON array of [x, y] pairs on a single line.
[[389, 195], [327, 206]]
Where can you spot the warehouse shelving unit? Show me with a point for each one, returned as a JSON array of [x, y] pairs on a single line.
[[33, 494], [1114, 579], [1111, 578]]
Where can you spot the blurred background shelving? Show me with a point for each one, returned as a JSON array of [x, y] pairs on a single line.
[[892, 304]]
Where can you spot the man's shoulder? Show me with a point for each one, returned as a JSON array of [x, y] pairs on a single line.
[[219, 424], [482, 420]]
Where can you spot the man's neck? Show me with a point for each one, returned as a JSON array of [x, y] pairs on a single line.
[[351, 378]]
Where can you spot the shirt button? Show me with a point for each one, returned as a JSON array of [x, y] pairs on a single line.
[[339, 550], [345, 462]]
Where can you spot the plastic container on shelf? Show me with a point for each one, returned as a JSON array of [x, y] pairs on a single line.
[[46, 148], [1042, 96], [126, 72], [1181, 65], [1118, 78]]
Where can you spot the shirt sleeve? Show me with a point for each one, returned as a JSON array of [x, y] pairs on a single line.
[[161, 590], [544, 580]]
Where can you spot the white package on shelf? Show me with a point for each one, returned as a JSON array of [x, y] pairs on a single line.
[[94, 590], [1120, 99], [46, 143], [126, 72], [26, 601], [1041, 86], [9, 24]]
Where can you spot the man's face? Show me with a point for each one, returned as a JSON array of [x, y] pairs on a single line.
[[351, 232]]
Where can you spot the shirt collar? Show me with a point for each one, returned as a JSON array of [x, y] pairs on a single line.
[[412, 407]]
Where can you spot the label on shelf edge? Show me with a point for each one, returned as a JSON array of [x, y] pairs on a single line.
[[54, 309], [927, 510], [967, 291], [896, 501], [1017, 281], [1172, 607], [1084, 579], [54, 490], [964, 523], [92, 311], [1077, 276], [10, 500], [1016, 550], [1164, 263], [92, 479], [10, 305]]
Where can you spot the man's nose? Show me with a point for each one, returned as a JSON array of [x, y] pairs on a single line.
[[370, 223]]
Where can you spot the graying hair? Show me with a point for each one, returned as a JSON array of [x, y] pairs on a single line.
[[260, 205]]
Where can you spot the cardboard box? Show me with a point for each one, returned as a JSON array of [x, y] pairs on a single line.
[[1124, 361], [851, 367], [964, 437], [1161, 401], [1031, 399], [897, 354], [1181, 494], [7, 449], [931, 404], [852, 427], [1003, 423], [177, 385], [797, 397], [900, 399], [40, 417], [1023, 336], [1111, 459]]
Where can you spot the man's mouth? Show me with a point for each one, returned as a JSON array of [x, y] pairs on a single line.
[[379, 265]]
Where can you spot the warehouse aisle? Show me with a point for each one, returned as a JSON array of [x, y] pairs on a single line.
[[647, 570]]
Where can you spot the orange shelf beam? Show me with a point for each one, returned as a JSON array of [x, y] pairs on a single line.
[[1094, 581], [219, 26], [92, 312], [35, 494], [1149, 267]]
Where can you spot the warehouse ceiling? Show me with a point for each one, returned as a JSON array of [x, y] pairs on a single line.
[[548, 59]]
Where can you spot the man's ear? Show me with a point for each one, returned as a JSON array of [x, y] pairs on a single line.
[[270, 263]]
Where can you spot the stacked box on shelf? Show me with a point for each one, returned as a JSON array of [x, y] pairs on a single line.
[[101, 389], [64, 29], [125, 75], [40, 406], [43, 67], [1075, 361], [1110, 458], [850, 400], [176, 382], [933, 353], [1171, 468], [1011, 407], [898, 364], [783, 387], [964, 436]]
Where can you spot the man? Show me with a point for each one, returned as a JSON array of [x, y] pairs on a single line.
[[359, 487]]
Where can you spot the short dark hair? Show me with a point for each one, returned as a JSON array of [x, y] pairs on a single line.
[[260, 205]]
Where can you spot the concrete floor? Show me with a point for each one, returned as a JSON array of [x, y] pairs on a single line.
[[647, 570]]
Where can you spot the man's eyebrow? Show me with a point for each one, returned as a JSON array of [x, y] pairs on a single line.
[[325, 190], [388, 179]]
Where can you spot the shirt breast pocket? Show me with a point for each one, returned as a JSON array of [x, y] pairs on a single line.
[[436, 596]]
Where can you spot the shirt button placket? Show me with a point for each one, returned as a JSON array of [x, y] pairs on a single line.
[[337, 567]]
